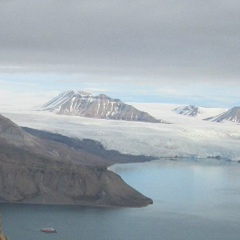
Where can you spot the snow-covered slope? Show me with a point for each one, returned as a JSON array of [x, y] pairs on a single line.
[[198, 112], [232, 115], [56, 102], [189, 137], [86, 105], [167, 111]]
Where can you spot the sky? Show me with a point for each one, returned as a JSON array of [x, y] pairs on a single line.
[[164, 51]]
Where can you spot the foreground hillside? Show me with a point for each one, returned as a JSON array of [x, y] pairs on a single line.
[[35, 170]]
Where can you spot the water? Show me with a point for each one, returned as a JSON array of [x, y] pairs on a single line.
[[192, 200]]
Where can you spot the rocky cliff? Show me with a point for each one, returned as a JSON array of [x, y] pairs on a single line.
[[40, 171]]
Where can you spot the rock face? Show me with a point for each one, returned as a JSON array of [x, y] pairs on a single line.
[[190, 110], [101, 106], [232, 115], [66, 184], [40, 171]]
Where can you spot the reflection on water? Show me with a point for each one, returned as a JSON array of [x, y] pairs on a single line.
[[192, 200], [206, 188]]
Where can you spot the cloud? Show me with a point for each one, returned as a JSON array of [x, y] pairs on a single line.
[[155, 39], [155, 49]]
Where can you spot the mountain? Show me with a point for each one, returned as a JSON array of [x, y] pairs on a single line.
[[190, 110], [42, 171], [232, 115], [12, 134], [86, 105]]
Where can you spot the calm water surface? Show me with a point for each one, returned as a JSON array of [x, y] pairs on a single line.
[[192, 201]]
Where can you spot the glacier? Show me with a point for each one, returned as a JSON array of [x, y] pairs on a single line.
[[185, 137]]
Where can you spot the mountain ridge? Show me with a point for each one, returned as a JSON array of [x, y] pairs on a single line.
[[189, 110], [101, 106], [232, 115]]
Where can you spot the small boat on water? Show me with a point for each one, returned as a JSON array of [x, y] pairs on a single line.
[[2, 237], [48, 230]]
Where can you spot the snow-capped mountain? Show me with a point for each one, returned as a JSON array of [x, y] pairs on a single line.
[[86, 105], [190, 110], [232, 115]]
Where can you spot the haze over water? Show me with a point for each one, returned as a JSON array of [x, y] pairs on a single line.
[[192, 200]]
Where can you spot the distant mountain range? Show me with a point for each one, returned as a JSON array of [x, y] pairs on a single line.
[[86, 105], [232, 115], [190, 110]]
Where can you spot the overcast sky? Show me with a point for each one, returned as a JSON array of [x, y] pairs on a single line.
[[185, 51]]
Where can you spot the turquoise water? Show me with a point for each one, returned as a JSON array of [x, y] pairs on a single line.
[[192, 200]]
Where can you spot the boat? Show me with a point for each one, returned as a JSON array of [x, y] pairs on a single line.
[[2, 236], [48, 230]]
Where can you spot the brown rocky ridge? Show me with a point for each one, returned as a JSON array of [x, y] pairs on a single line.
[[42, 171]]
